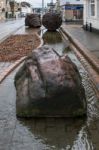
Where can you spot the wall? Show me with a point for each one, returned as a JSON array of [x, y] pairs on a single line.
[[94, 20], [2, 13]]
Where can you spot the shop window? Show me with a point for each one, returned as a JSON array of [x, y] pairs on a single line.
[[92, 7]]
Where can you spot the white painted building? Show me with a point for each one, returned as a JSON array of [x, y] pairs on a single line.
[[91, 14], [63, 2], [2, 9], [26, 8]]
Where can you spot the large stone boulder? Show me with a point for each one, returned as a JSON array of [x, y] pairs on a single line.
[[52, 21], [33, 20], [48, 85]]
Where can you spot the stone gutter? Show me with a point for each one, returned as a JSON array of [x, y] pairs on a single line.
[[83, 50], [90, 62]]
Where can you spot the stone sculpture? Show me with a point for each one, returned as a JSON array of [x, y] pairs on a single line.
[[33, 20], [52, 21], [48, 85]]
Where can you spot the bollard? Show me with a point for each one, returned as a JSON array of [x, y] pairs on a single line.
[[86, 26], [90, 27]]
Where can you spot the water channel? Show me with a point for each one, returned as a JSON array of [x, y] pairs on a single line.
[[49, 134]]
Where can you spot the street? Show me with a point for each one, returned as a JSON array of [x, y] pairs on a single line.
[[8, 27]]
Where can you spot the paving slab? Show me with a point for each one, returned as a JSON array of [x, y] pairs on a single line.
[[89, 39], [9, 27]]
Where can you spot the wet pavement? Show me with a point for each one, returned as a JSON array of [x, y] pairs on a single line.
[[4, 66], [9, 27], [48, 134], [12, 27], [89, 39], [6, 29]]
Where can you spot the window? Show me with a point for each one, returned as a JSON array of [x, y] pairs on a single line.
[[92, 7]]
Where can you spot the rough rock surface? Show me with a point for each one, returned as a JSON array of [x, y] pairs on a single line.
[[52, 21], [48, 85], [32, 20]]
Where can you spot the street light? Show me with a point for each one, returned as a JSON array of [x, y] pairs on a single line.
[[42, 7]]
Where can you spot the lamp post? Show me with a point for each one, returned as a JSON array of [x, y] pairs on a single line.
[[42, 7]]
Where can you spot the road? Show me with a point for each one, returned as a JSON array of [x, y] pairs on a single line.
[[8, 27]]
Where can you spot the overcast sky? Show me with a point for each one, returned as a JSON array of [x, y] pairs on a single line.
[[36, 3]]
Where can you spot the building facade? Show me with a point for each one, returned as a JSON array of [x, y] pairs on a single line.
[[5, 8], [13, 9], [2, 9], [91, 14], [72, 9]]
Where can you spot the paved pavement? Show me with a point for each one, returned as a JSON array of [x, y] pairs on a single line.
[[6, 29], [89, 39]]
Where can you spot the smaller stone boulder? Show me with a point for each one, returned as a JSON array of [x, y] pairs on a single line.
[[52, 21], [33, 20], [49, 86]]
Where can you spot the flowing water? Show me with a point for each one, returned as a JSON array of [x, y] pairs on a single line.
[[49, 134]]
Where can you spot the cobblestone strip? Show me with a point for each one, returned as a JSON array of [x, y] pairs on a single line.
[[10, 67], [94, 76], [93, 72]]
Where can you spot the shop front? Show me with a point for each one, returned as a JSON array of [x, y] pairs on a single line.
[[73, 12]]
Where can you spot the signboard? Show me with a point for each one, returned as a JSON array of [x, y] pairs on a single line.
[[73, 7], [73, 2], [50, 4]]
